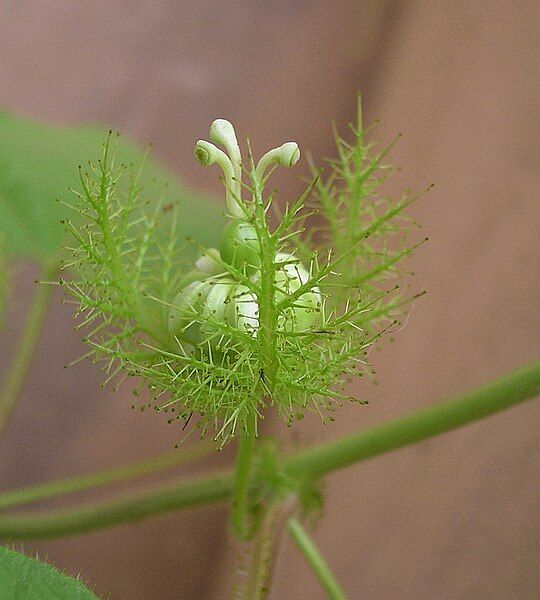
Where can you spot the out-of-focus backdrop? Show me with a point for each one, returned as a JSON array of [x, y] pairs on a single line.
[[449, 518]]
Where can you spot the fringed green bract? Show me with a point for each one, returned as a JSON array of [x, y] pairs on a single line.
[[318, 297]]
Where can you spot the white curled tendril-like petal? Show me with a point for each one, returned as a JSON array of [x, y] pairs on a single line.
[[208, 154], [288, 154], [222, 132]]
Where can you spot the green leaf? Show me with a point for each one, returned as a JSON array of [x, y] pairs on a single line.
[[4, 280], [24, 578], [38, 165]]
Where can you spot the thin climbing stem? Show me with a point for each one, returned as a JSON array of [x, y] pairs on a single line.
[[313, 463], [126, 508], [493, 397], [141, 468], [244, 454], [18, 369], [315, 560]]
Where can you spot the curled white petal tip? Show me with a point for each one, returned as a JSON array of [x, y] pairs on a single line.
[[288, 154], [206, 153], [222, 132]]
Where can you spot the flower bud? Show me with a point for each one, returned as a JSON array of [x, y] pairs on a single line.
[[245, 310], [208, 263], [289, 277], [240, 246], [216, 308], [184, 310]]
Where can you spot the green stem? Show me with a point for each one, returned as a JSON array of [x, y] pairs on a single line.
[[503, 393], [126, 509], [246, 445], [496, 396], [265, 547], [315, 560], [102, 478], [22, 359]]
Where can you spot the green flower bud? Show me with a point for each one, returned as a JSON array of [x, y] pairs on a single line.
[[289, 277], [183, 311], [227, 301], [240, 246], [216, 307], [306, 312], [208, 263], [245, 310]]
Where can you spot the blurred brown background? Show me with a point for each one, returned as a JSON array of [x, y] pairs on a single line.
[[449, 518]]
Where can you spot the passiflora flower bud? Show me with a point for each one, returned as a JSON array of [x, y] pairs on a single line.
[[245, 310], [184, 308], [240, 246], [292, 274], [227, 301], [209, 262], [289, 277], [305, 314], [246, 325], [216, 307]]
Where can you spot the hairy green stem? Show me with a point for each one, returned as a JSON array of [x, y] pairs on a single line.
[[267, 302], [107, 477], [246, 441], [16, 375], [265, 547], [315, 462], [315, 560], [239, 514]]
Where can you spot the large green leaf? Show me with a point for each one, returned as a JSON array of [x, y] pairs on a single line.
[[38, 165], [24, 578], [4, 278]]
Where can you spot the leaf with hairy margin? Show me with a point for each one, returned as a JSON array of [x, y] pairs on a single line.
[[25, 578]]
